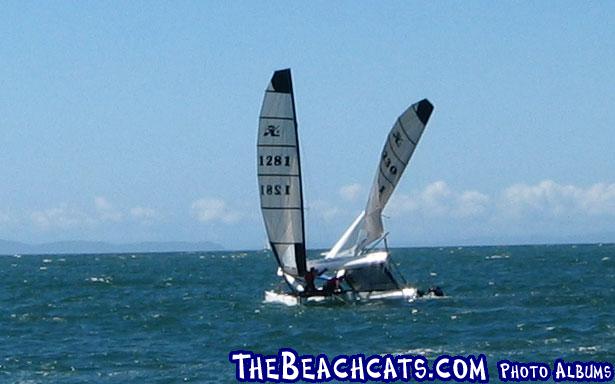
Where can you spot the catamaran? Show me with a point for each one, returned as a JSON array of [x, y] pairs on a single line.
[[357, 267]]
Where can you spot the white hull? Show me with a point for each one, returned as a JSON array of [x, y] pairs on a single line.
[[407, 294]]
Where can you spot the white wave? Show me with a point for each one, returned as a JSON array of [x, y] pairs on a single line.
[[495, 257], [591, 348], [420, 351], [103, 279], [272, 297]]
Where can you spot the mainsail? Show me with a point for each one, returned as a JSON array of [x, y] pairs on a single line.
[[279, 175], [396, 154]]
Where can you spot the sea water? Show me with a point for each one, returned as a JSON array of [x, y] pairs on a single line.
[[175, 317]]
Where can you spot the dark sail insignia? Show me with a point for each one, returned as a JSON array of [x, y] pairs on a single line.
[[272, 130]]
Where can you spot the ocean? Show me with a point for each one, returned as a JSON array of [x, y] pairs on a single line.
[[174, 317]]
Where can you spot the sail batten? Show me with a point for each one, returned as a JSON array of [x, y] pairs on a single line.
[[279, 175]]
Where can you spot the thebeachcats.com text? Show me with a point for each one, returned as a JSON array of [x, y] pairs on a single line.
[[288, 366]]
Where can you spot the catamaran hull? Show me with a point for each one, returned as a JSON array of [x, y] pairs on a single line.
[[407, 294]]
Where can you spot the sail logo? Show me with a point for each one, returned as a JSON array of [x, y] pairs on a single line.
[[397, 138], [272, 130]]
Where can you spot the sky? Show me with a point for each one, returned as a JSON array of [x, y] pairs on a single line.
[[136, 121]]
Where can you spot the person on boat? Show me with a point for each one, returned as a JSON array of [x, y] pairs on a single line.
[[310, 277], [333, 286], [432, 292], [436, 291]]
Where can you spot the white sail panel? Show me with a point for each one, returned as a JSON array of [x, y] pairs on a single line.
[[279, 175], [282, 162], [351, 237], [280, 192], [279, 104], [288, 258], [282, 225], [397, 151]]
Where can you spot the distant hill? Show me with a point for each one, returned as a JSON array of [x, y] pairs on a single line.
[[67, 247]]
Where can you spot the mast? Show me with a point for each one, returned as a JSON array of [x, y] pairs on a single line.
[[300, 254]]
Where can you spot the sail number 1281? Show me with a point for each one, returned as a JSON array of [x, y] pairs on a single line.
[[274, 161], [275, 189]]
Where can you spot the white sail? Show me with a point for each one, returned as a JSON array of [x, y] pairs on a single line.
[[279, 175], [346, 245], [396, 154]]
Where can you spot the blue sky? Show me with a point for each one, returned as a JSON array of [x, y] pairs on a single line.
[[137, 121]]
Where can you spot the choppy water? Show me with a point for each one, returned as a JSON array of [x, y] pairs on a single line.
[[151, 318]]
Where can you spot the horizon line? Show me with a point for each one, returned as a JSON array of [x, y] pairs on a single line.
[[93, 253]]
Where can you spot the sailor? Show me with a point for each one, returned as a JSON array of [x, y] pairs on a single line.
[[432, 292], [333, 285], [436, 291], [309, 277]]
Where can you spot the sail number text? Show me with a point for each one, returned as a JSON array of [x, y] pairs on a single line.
[[275, 189], [386, 160], [274, 161]]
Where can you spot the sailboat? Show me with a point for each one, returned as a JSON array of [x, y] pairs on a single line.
[[359, 262]]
